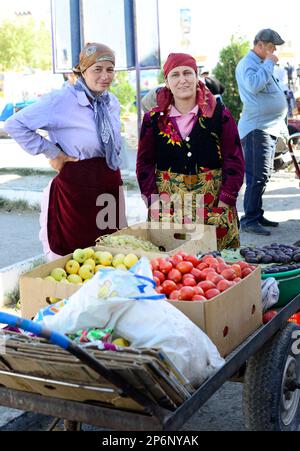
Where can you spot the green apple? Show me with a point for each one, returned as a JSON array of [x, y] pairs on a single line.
[[118, 259], [72, 266], [58, 274], [130, 260], [86, 272], [50, 278], [79, 255], [89, 252], [74, 278]]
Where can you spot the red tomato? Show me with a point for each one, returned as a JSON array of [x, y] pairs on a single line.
[[179, 286], [186, 293], [182, 253], [242, 264], [198, 290], [224, 285], [191, 258], [207, 270], [175, 275], [157, 281], [168, 286], [159, 275], [176, 259], [211, 261], [237, 280], [198, 297], [202, 266], [174, 296], [246, 272], [165, 266], [209, 294], [184, 267], [188, 276], [207, 257], [189, 282], [159, 290], [221, 267], [197, 274], [214, 277], [269, 315], [206, 285], [220, 260], [237, 270], [253, 268], [155, 264], [228, 274]]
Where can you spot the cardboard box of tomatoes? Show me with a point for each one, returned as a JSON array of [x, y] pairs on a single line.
[[223, 299]]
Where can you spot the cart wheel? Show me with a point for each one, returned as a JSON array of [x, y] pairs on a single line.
[[271, 397]]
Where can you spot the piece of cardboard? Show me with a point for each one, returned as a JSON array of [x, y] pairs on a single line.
[[229, 318]]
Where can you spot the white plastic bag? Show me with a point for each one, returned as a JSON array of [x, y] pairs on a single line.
[[128, 304]]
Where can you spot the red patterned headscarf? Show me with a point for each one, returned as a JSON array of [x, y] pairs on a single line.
[[204, 98]]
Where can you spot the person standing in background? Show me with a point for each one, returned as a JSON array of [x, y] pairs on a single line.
[[262, 121]]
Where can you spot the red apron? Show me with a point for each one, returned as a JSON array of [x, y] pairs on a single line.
[[74, 219]]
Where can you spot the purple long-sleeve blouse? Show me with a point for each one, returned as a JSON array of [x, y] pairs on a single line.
[[233, 165]]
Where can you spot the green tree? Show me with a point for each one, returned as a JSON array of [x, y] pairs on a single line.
[[124, 91], [25, 43], [225, 72]]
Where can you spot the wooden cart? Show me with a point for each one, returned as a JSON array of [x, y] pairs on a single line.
[[268, 363]]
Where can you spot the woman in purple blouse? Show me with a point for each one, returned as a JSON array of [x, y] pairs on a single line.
[[190, 149], [85, 199]]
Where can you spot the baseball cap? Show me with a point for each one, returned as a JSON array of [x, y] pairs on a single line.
[[268, 35]]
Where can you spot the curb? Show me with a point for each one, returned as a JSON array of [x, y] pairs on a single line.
[[9, 276]]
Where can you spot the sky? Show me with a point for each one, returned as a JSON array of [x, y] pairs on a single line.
[[211, 25]]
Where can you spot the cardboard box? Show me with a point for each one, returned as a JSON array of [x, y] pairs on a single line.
[[193, 239], [228, 319], [35, 291]]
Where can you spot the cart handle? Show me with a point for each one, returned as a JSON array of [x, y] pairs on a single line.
[[67, 344]]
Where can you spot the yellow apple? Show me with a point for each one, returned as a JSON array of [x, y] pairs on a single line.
[[98, 267], [74, 278], [86, 272], [72, 266], [89, 252], [103, 258], [58, 274], [121, 342], [79, 255], [130, 260], [91, 263], [118, 259], [121, 266]]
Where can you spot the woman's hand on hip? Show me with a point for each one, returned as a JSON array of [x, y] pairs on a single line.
[[58, 163]]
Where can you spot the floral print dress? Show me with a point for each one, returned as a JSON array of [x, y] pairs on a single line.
[[189, 174]]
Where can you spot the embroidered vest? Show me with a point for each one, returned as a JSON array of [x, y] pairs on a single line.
[[202, 149]]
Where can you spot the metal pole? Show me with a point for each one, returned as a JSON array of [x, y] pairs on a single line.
[[137, 69]]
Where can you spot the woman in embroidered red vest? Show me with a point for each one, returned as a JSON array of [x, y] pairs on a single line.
[[189, 150]]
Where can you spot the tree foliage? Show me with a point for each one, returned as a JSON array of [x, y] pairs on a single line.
[[25, 43], [124, 91], [225, 72]]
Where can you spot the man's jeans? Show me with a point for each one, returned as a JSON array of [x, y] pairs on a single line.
[[259, 150]]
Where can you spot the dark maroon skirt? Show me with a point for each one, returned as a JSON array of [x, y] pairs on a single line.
[[86, 200]]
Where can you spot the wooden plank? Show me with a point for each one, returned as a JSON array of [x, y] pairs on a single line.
[[95, 415]]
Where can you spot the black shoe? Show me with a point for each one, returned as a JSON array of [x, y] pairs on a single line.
[[266, 223], [255, 228]]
